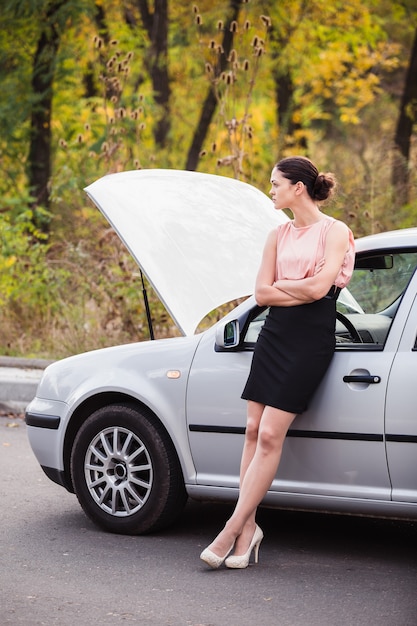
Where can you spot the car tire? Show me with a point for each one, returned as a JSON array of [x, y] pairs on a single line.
[[126, 472]]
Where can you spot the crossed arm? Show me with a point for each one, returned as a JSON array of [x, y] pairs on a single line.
[[305, 290]]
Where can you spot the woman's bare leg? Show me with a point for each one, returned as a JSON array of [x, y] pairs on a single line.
[[253, 420], [257, 479], [254, 416]]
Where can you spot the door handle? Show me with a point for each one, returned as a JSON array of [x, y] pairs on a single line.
[[361, 378]]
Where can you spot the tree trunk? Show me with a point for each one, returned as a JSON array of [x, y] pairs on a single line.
[[91, 89], [39, 161], [210, 103], [404, 130], [156, 61], [284, 95]]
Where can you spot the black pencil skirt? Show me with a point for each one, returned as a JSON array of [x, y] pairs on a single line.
[[291, 356]]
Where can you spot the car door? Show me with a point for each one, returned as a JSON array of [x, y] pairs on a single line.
[[401, 413], [337, 447], [216, 415]]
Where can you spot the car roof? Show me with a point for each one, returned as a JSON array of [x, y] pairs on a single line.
[[404, 238]]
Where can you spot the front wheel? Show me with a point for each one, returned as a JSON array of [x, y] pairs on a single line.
[[125, 471]]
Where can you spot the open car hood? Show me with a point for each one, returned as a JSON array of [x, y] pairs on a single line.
[[198, 238]]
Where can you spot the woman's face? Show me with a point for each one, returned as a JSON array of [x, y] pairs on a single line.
[[282, 190]]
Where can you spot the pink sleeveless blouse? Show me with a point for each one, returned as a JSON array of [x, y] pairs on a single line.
[[300, 249]]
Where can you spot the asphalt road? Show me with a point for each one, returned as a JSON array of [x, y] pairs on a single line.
[[314, 570]]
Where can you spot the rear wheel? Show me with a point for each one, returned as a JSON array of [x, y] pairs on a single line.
[[125, 471]]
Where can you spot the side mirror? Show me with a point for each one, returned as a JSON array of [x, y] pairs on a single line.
[[228, 334]]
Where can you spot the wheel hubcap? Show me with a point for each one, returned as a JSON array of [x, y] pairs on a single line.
[[118, 471]]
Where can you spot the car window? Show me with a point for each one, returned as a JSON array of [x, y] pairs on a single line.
[[369, 303], [378, 281], [254, 327]]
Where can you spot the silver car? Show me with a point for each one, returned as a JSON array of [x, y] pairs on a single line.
[[134, 430]]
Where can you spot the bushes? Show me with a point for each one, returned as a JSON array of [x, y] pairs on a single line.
[[26, 280], [71, 296]]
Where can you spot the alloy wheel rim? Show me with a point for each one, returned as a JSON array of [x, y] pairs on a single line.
[[118, 471]]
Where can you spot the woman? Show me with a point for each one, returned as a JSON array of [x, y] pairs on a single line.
[[305, 263]]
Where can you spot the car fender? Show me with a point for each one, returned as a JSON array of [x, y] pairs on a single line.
[[153, 373]]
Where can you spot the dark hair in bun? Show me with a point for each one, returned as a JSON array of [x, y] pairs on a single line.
[[319, 186]]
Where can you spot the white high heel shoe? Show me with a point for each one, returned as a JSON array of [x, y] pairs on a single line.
[[212, 559], [240, 562]]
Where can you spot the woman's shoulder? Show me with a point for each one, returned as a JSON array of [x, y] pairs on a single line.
[[337, 226], [280, 229]]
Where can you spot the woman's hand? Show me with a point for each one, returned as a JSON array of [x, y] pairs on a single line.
[[317, 269]]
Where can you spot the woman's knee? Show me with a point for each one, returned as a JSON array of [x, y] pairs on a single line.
[[252, 428], [273, 429], [270, 439], [253, 420]]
